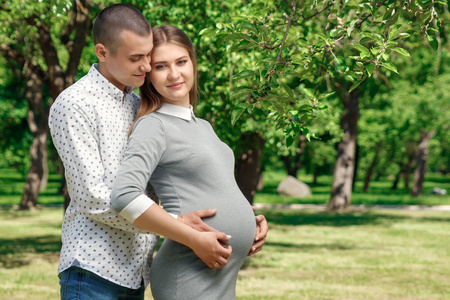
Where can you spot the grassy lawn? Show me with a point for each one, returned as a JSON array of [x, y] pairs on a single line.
[[367, 254], [309, 254]]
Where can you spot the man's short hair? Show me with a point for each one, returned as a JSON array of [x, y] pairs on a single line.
[[112, 20]]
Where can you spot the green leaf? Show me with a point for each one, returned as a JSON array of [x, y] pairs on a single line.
[[237, 93], [351, 26], [287, 89], [306, 133], [245, 74], [264, 30], [295, 74], [355, 85], [236, 36], [433, 42], [364, 51], [390, 66], [323, 37], [401, 51], [370, 69], [239, 47], [237, 113], [207, 32], [334, 33], [289, 140], [248, 26], [305, 107], [375, 51], [325, 96], [308, 92], [374, 36], [278, 108]]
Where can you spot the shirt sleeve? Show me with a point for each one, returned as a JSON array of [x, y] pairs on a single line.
[[73, 131], [146, 147]]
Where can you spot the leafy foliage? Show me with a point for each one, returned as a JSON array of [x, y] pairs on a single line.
[[294, 55]]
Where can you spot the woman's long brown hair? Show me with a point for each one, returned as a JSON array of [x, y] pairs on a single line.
[[151, 100]]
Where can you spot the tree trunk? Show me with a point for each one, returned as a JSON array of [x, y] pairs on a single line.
[[73, 37], [421, 158], [292, 163], [341, 189], [411, 152], [248, 168], [315, 176], [260, 185], [37, 122], [405, 169], [371, 168], [396, 180], [355, 168]]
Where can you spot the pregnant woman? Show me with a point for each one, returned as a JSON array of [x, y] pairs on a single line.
[[190, 169]]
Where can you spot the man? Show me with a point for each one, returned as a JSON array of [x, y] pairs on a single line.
[[102, 255]]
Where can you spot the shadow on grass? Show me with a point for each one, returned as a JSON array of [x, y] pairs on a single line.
[[307, 217], [282, 247], [13, 252]]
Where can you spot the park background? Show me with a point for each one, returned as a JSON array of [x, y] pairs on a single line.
[[350, 97]]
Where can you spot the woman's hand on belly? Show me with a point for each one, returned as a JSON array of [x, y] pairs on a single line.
[[211, 249]]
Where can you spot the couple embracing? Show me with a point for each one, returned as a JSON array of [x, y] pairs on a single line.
[[113, 143]]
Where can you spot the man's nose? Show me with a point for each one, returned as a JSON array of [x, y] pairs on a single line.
[[146, 66]]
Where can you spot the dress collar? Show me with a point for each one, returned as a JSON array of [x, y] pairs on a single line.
[[177, 111]]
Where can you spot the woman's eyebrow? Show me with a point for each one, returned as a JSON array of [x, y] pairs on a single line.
[[163, 61]]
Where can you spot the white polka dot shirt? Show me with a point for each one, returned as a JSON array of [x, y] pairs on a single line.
[[89, 122]]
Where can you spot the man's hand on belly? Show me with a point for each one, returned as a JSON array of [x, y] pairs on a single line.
[[262, 228], [194, 219]]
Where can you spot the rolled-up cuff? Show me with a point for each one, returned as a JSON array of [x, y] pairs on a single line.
[[136, 208], [173, 215]]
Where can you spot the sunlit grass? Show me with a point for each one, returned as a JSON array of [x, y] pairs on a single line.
[[367, 254]]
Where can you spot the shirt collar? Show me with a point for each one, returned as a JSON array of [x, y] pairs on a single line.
[[177, 111], [95, 75]]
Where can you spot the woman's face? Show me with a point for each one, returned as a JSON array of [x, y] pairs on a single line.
[[172, 73]]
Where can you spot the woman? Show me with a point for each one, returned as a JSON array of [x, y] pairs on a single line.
[[190, 169]]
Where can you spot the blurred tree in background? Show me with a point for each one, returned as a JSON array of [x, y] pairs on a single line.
[[283, 82], [305, 52]]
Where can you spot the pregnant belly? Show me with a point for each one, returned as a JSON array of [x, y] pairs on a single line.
[[234, 215], [237, 220]]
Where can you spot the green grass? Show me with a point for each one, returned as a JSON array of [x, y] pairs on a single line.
[[353, 255], [367, 254], [380, 192], [29, 253]]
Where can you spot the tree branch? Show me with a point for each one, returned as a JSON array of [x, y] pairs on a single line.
[[318, 12], [82, 26], [294, 3], [386, 34]]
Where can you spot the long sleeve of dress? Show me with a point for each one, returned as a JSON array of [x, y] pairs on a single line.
[[146, 147]]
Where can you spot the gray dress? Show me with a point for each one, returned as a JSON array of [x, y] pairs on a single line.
[[190, 169]]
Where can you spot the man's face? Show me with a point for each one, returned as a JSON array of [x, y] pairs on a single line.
[[130, 62]]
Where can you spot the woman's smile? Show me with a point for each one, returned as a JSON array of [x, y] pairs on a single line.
[[172, 73]]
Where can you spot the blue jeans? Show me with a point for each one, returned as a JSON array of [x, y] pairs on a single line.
[[79, 284]]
